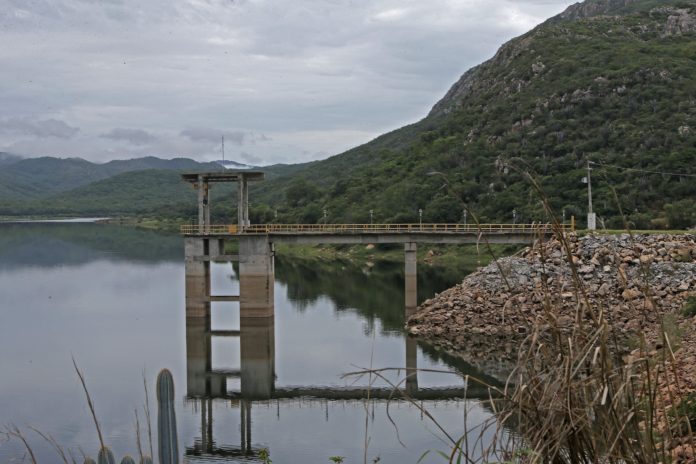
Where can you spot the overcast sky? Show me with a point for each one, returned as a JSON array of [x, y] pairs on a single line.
[[283, 81]]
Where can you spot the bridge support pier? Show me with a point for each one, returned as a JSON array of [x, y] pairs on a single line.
[[203, 188], [197, 271], [243, 203], [410, 277], [256, 277]]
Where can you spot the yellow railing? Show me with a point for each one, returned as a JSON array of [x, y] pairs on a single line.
[[369, 228], [215, 229]]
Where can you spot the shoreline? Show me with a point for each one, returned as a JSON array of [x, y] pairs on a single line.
[[583, 330], [636, 279]]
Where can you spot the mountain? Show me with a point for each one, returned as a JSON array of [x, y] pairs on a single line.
[[45, 176], [159, 192], [8, 158], [607, 81]]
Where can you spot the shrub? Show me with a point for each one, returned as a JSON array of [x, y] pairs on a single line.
[[690, 307]]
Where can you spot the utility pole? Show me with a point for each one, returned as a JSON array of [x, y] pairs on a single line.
[[223, 151], [591, 216]]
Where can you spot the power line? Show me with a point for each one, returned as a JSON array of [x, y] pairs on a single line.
[[647, 170]]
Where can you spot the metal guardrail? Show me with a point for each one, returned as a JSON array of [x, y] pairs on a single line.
[[218, 229], [369, 228]]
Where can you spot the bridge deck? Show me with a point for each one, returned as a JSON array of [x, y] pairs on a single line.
[[381, 233], [305, 229]]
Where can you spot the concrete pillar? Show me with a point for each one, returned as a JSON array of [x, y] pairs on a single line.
[[243, 205], [240, 202], [256, 277], [201, 205], [197, 275], [257, 357], [206, 204], [216, 247], [411, 365], [410, 278], [245, 188]]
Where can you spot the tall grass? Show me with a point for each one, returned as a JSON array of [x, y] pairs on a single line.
[[571, 398]]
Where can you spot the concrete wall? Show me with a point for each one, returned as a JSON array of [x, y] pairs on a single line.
[[197, 274], [256, 276]]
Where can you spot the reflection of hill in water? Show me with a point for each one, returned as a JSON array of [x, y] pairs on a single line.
[[374, 293], [378, 294], [65, 244]]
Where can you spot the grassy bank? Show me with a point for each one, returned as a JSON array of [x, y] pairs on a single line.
[[151, 223]]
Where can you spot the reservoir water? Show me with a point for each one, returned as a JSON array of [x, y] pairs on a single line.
[[113, 299]]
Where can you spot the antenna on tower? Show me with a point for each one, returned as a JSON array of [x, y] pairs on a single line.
[[223, 150]]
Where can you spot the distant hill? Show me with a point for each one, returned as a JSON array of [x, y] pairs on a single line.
[[158, 192], [45, 176], [8, 158]]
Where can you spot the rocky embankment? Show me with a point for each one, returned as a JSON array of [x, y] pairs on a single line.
[[632, 280]]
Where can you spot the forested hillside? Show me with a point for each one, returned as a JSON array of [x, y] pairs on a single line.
[[43, 176], [608, 81]]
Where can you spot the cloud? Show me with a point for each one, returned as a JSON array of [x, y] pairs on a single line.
[[133, 136], [215, 136], [251, 159], [269, 72], [37, 128], [233, 137]]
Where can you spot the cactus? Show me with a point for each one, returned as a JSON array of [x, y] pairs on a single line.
[[127, 460], [166, 419], [146, 460], [106, 456]]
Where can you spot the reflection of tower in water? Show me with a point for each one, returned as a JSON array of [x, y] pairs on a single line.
[[256, 337], [256, 376]]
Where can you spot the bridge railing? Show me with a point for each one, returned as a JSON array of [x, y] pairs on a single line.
[[214, 229], [223, 229]]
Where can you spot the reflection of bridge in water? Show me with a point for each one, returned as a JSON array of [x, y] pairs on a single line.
[[256, 376], [205, 243]]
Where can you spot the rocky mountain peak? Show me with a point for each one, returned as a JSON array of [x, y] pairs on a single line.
[[590, 8]]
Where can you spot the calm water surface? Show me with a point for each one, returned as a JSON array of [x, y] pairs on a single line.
[[114, 299]]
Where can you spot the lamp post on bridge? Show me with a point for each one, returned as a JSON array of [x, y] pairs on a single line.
[[420, 217], [514, 216], [325, 216], [371, 213], [464, 216]]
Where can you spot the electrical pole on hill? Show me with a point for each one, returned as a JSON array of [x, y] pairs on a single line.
[[591, 216]]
